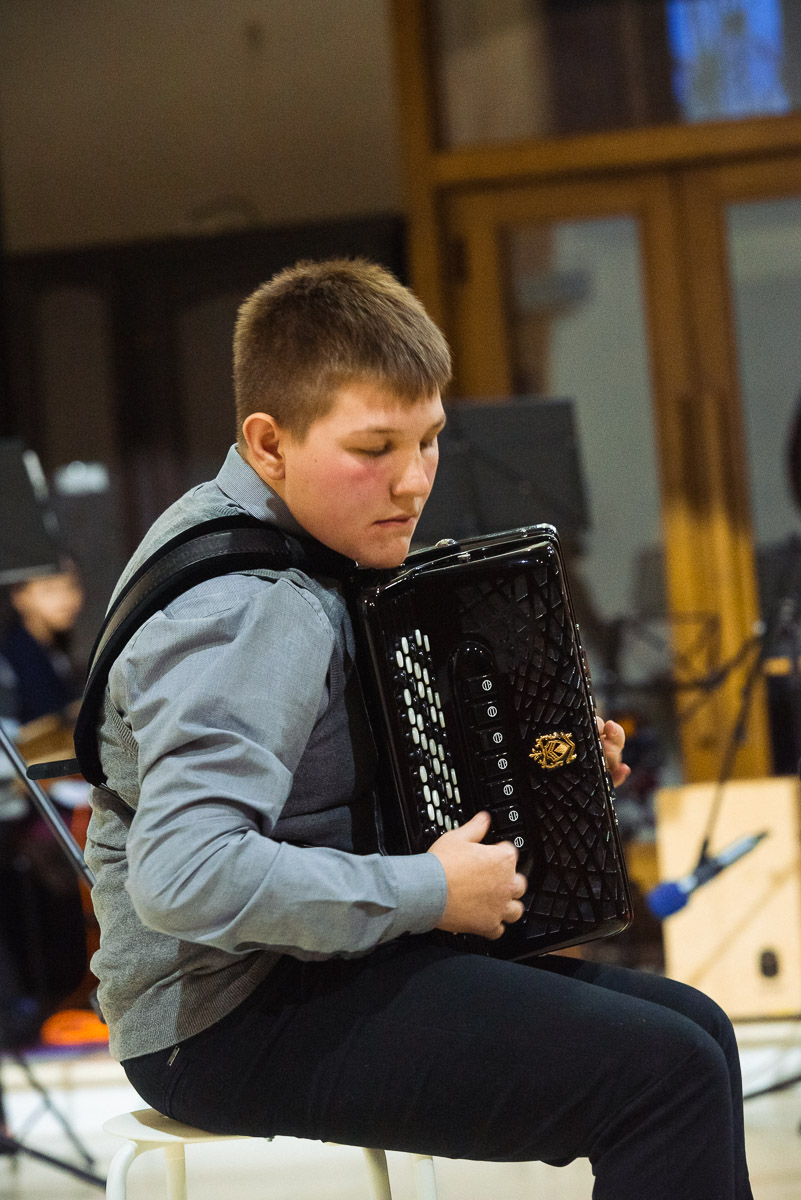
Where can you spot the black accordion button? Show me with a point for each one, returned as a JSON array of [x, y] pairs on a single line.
[[507, 821], [484, 714], [493, 764], [480, 687], [491, 739], [501, 791]]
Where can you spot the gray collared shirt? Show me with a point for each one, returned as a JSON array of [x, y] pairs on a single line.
[[252, 766]]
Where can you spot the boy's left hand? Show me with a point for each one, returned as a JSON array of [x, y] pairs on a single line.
[[613, 739]]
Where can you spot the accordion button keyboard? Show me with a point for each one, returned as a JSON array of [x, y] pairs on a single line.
[[432, 775]]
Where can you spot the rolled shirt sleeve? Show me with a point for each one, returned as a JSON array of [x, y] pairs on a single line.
[[222, 691]]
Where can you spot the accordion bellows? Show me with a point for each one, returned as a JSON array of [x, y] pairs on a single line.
[[480, 698]]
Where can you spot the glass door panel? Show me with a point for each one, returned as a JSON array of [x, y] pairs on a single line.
[[557, 304], [576, 314], [764, 252]]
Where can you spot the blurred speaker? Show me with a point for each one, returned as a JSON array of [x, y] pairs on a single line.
[[739, 937]]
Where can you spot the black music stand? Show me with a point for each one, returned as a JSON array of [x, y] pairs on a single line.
[[506, 463], [29, 547], [28, 527]]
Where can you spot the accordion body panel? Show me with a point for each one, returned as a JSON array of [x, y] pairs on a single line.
[[479, 697]]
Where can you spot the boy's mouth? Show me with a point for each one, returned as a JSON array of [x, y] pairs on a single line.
[[400, 522]]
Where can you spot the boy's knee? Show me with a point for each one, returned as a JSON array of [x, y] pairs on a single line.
[[708, 1014], [703, 1068]]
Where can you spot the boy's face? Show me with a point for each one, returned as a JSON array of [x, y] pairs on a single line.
[[359, 478]]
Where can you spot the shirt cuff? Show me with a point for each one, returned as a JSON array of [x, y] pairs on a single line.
[[422, 892]]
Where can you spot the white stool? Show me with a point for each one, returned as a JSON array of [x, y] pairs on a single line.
[[146, 1130]]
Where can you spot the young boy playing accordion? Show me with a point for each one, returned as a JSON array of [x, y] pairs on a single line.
[[257, 974]]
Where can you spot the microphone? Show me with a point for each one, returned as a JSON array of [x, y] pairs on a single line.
[[667, 898]]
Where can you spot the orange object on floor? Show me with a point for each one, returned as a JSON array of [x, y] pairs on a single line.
[[73, 1027]]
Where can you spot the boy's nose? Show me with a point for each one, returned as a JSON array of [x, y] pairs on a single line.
[[413, 479]]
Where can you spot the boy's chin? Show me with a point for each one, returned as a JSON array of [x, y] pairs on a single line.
[[383, 561], [384, 557]]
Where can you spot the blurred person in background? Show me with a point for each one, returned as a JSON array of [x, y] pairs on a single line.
[[42, 931], [36, 675]]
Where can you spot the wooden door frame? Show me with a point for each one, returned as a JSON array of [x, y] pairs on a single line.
[[707, 571]]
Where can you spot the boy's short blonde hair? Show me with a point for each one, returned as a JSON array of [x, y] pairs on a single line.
[[319, 326]]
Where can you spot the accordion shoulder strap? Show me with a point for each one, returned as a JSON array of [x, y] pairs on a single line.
[[223, 546]]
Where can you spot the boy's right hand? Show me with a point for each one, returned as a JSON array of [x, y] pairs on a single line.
[[484, 886]]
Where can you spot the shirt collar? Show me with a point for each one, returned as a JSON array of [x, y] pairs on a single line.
[[240, 483]]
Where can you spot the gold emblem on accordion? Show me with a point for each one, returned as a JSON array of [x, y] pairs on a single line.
[[554, 750]]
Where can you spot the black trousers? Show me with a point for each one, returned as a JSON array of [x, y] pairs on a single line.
[[418, 1048]]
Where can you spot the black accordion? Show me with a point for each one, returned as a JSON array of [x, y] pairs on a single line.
[[480, 699]]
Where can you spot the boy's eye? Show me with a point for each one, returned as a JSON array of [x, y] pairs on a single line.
[[372, 452]]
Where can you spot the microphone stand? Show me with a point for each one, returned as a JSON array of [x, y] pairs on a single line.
[[783, 618]]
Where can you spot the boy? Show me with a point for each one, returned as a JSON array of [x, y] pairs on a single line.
[[258, 975]]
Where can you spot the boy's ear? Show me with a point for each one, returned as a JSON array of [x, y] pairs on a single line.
[[264, 438]]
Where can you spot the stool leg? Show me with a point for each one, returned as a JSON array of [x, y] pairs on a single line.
[[378, 1173], [117, 1178], [425, 1181], [176, 1172]]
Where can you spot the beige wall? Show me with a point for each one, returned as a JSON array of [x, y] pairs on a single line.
[[128, 119]]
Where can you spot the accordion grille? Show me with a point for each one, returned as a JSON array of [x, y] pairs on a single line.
[[525, 620]]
